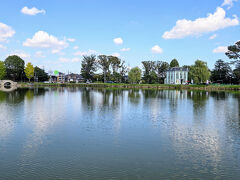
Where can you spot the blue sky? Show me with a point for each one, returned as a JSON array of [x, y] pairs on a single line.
[[55, 34]]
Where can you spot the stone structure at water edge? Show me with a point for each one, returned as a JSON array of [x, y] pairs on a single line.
[[176, 75], [7, 85]]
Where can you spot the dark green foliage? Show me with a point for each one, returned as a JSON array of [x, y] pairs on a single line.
[[161, 68], [154, 71], [236, 74], [104, 64], [174, 63], [40, 74], [14, 67], [149, 67], [89, 66], [123, 71], [114, 69], [98, 78], [234, 52], [116, 65], [221, 73], [153, 78]]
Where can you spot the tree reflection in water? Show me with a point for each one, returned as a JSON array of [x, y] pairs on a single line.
[[134, 96]]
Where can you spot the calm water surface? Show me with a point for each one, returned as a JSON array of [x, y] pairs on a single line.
[[83, 133]]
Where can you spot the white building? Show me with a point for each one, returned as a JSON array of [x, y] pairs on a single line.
[[176, 75]]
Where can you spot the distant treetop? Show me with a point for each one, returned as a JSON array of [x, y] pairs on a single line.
[[234, 51], [174, 63]]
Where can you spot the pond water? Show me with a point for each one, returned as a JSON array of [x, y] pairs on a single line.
[[85, 133]]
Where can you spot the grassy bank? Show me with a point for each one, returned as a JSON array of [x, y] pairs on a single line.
[[145, 86]]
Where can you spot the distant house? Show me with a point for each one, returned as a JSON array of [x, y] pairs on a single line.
[[176, 75], [74, 78], [53, 79], [61, 77]]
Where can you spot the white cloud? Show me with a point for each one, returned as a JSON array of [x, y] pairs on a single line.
[[5, 32], [21, 54], [213, 36], [67, 60], [71, 39], [228, 3], [157, 50], [39, 54], [116, 54], [125, 49], [220, 49], [75, 47], [32, 11], [118, 41], [3, 47], [42, 39], [211, 23], [85, 53]]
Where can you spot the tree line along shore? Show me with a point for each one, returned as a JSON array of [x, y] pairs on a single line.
[[111, 71]]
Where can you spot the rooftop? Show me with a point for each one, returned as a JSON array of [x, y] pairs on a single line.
[[178, 69]]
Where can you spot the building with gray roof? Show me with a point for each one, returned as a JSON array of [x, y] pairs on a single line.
[[176, 75]]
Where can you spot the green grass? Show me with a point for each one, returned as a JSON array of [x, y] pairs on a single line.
[[145, 86]]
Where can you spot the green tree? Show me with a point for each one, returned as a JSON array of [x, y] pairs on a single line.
[[29, 71], [2, 70], [123, 72], [98, 77], [40, 74], [222, 72], [115, 64], [199, 72], [234, 52], [88, 66], [161, 68], [149, 67], [134, 76], [174, 63], [14, 67], [236, 74], [104, 63], [153, 78]]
